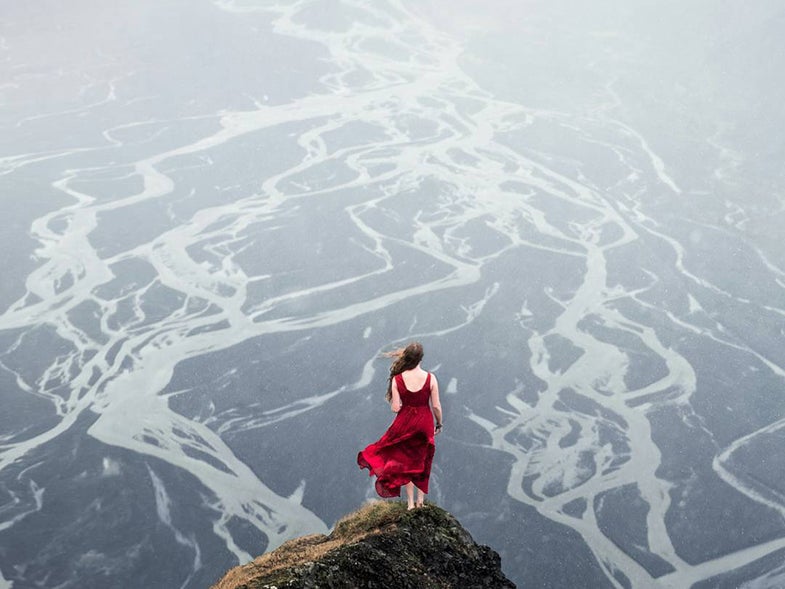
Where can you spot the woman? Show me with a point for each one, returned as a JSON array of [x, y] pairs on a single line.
[[403, 455]]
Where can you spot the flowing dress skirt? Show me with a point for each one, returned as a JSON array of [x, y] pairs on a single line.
[[403, 454]]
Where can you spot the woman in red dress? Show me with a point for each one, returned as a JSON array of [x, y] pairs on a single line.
[[403, 455]]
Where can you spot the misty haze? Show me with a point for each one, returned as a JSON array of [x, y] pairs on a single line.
[[216, 215]]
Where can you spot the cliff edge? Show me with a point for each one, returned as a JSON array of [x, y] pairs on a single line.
[[380, 545]]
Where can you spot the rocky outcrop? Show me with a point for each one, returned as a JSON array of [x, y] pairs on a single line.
[[382, 545]]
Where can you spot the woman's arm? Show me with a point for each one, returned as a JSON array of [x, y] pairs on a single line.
[[436, 406], [395, 403]]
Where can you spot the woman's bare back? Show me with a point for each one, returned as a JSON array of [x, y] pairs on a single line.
[[414, 379]]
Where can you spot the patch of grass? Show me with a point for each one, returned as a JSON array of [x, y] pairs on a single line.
[[369, 518]]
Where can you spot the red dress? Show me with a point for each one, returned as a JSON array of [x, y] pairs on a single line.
[[405, 452]]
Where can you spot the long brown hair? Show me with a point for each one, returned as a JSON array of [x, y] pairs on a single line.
[[405, 359]]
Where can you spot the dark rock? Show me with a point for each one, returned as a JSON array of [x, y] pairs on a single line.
[[382, 545]]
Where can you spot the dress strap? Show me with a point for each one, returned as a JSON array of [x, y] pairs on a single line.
[[400, 383]]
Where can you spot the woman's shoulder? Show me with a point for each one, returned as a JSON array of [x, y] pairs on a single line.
[[424, 373]]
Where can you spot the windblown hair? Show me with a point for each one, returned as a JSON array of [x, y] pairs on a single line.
[[405, 359]]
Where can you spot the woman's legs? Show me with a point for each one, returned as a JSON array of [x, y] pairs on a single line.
[[410, 494], [420, 498]]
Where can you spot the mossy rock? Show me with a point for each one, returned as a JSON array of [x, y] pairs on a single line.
[[382, 545]]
